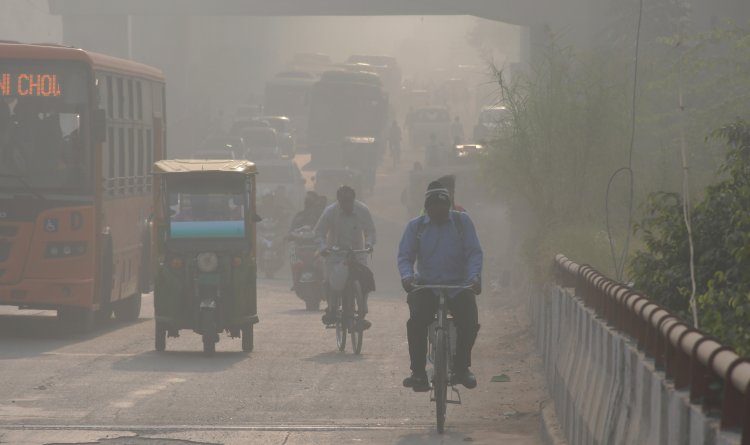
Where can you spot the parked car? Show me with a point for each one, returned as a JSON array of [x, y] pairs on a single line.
[[261, 143], [284, 133], [282, 175]]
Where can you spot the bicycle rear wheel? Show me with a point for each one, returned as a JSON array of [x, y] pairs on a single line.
[[356, 328], [440, 378]]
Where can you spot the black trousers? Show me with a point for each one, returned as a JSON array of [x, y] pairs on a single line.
[[423, 305]]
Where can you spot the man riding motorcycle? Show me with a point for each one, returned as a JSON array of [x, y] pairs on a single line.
[[304, 221], [347, 224], [445, 247]]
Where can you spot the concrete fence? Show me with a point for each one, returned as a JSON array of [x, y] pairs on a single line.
[[610, 387]]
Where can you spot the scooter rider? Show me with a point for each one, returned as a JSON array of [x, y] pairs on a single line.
[[445, 247], [309, 215], [304, 222], [347, 223]]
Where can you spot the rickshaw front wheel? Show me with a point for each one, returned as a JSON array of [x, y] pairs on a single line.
[[247, 338]]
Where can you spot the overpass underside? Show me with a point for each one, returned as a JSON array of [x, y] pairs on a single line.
[[518, 12]]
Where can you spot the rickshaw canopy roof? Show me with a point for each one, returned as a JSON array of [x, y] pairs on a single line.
[[176, 166]]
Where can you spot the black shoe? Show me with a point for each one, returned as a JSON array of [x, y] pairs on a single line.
[[465, 378], [328, 319], [417, 382]]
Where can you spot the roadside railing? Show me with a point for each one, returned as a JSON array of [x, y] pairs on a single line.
[[717, 378]]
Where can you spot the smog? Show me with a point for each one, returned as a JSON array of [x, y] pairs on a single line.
[[329, 222]]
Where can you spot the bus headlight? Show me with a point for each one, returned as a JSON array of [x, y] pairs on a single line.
[[207, 262]]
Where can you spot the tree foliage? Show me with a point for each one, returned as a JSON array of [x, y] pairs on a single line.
[[721, 228], [564, 138]]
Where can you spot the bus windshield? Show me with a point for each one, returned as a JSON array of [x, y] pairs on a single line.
[[42, 104]]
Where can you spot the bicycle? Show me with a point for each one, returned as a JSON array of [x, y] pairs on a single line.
[[441, 351], [349, 298]]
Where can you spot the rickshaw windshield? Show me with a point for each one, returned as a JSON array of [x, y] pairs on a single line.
[[217, 212]]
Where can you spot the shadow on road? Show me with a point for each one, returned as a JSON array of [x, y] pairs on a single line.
[[31, 335], [331, 357], [180, 361]]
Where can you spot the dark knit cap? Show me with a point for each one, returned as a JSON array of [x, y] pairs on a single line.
[[449, 181], [436, 194]]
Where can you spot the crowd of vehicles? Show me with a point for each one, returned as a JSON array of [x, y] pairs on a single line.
[[92, 214]]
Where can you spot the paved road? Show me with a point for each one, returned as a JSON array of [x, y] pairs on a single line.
[[111, 387]]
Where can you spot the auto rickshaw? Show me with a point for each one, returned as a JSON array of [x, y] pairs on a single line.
[[204, 250]]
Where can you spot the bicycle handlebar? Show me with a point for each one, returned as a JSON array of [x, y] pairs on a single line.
[[339, 251]]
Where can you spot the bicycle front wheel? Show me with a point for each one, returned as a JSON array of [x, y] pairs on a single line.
[[356, 328], [340, 335], [341, 324], [440, 378]]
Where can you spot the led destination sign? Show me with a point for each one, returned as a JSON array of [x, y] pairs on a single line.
[[29, 84]]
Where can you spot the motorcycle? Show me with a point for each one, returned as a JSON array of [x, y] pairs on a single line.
[[270, 255], [307, 268]]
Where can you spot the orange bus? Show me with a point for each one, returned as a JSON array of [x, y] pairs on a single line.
[[79, 132]]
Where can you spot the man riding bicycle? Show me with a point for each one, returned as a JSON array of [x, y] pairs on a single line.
[[445, 247], [347, 224]]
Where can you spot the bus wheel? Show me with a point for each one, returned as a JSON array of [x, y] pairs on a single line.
[[160, 339], [247, 338], [105, 299], [129, 309], [76, 319]]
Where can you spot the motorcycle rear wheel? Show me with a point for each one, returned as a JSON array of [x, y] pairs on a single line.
[[309, 293]]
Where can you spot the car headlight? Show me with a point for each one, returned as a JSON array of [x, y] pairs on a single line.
[[207, 262]]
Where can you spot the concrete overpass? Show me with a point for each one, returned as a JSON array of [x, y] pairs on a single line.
[[576, 20], [518, 12]]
